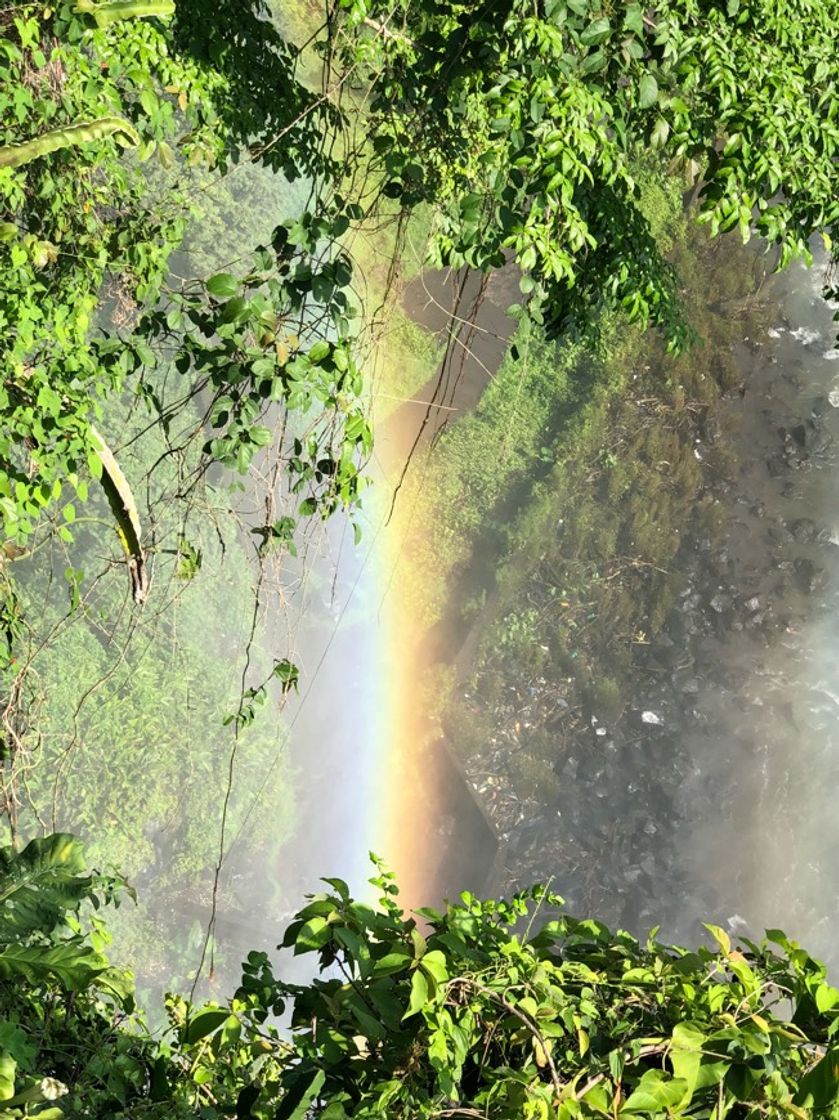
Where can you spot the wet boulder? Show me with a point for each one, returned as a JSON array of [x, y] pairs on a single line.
[[720, 602], [803, 530], [809, 577]]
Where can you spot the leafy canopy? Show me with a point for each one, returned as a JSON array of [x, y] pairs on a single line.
[[523, 123], [492, 1009], [521, 126]]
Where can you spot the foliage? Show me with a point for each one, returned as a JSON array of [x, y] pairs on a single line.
[[488, 1010], [244, 346], [522, 124], [59, 997], [83, 240], [73, 222], [131, 749], [464, 117]]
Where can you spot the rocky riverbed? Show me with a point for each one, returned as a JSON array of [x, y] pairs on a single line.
[[688, 796]]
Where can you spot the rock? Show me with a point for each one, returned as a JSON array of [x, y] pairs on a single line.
[[720, 602], [800, 434], [803, 529], [651, 718], [809, 577], [820, 407]]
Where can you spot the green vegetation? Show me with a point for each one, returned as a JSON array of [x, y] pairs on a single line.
[[175, 400], [559, 507], [522, 126], [493, 1009], [474, 136], [131, 746]]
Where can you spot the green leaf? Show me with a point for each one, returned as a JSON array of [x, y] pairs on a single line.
[[313, 935], [319, 351], [391, 963], [597, 32], [660, 132], [686, 1053], [223, 285], [419, 994], [687, 1036], [527, 259], [289, 675], [720, 936], [260, 435], [435, 964], [819, 1088], [826, 997], [297, 1101], [8, 1067], [204, 1023], [655, 1093], [647, 91], [40, 884], [235, 309], [16, 1042], [594, 62], [633, 19], [71, 963]]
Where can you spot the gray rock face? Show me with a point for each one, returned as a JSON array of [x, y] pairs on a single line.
[[809, 577]]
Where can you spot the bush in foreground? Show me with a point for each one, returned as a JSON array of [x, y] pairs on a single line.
[[489, 1009]]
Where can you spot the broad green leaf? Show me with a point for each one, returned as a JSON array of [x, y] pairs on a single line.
[[235, 310], [319, 351], [688, 1036], [434, 963], [260, 435], [313, 935], [296, 1103], [39, 884], [72, 964], [633, 19], [720, 936], [711, 1072], [660, 133], [597, 32], [826, 997], [654, 1093], [223, 285], [647, 91], [204, 1022], [16, 1042], [391, 963], [686, 1054], [8, 1067], [419, 994], [819, 1088]]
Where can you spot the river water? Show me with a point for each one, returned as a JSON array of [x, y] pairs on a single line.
[[760, 832]]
